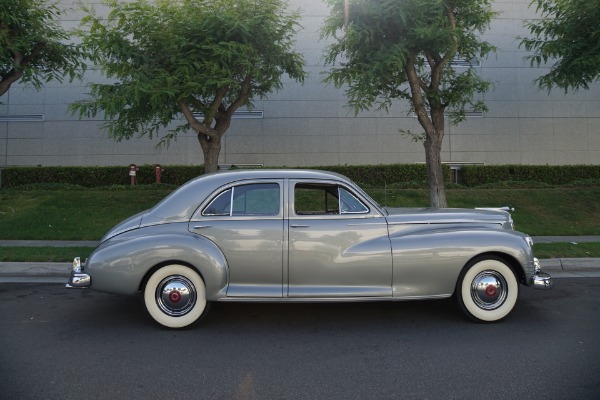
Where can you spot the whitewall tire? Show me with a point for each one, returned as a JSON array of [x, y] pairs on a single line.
[[175, 296], [487, 289]]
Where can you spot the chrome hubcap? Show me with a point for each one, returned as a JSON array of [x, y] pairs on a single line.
[[489, 290], [175, 295]]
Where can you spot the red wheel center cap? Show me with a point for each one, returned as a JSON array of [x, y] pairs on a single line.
[[490, 290], [175, 296]]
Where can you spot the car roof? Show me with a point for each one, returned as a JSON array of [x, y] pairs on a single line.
[[220, 178], [179, 206]]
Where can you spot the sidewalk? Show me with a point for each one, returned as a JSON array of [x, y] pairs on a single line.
[[59, 272], [52, 243]]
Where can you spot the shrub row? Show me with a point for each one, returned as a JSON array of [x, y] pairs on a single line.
[[96, 176], [477, 175], [383, 175], [373, 175], [366, 175]]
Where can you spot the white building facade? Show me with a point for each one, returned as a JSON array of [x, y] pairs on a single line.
[[310, 125]]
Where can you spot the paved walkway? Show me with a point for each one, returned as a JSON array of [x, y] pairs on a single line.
[[565, 239], [51, 243]]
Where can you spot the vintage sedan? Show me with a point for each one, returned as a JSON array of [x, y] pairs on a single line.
[[297, 236]]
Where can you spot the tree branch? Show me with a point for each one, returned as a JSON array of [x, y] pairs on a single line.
[[215, 105], [31, 56], [452, 19], [440, 62], [194, 123], [417, 98], [242, 97], [10, 78]]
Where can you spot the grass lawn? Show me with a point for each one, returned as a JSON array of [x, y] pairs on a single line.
[[43, 254], [69, 214], [88, 214], [567, 250], [538, 212]]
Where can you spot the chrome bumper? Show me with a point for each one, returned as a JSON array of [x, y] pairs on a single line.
[[78, 279], [541, 280]]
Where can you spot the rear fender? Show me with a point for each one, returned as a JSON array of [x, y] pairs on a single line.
[[123, 266]]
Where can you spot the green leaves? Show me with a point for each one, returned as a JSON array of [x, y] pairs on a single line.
[[568, 37], [375, 42], [33, 45], [212, 56], [385, 50]]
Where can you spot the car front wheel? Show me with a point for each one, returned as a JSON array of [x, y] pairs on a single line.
[[175, 296], [487, 289]]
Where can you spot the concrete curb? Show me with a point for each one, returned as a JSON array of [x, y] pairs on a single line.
[[34, 269]]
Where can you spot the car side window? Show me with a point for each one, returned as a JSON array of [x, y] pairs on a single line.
[[350, 204], [220, 206], [322, 199], [243, 200], [315, 199]]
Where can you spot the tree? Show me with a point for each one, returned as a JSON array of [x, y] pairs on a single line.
[[568, 34], [384, 50], [203, 59], [32, 45]]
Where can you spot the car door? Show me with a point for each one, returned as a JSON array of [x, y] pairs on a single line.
[[245, 221], [338, 245]]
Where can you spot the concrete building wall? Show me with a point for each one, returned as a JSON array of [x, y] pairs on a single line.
[[306, 125]]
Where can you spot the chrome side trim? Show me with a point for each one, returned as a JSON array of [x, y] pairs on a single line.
[[303, 299], [445, 222], [432, 297], [328, 299]]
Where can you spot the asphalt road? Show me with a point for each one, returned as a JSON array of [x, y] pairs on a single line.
[[69, 344]]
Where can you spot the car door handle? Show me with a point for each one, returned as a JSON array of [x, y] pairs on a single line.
[[201, 226], [298, 226]]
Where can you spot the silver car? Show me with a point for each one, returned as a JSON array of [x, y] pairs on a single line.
[[298, 236]]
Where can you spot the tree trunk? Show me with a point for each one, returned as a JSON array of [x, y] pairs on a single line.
[[433, 124], [211, 148], [437, 192], [433, 149]]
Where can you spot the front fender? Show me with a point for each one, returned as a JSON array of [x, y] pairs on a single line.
[[428, 262], [120, 265]]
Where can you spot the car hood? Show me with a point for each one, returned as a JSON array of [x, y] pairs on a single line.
[[448, 216]]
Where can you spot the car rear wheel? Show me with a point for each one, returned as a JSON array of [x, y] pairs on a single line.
[[487, 289], [175, 296]]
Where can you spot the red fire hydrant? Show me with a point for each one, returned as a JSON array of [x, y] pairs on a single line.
[[132, 173], [157, 171]]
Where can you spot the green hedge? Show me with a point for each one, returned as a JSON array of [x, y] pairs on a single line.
[[477, 175], [382, 175], [373, 175], [96, 176], [368, 175]]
